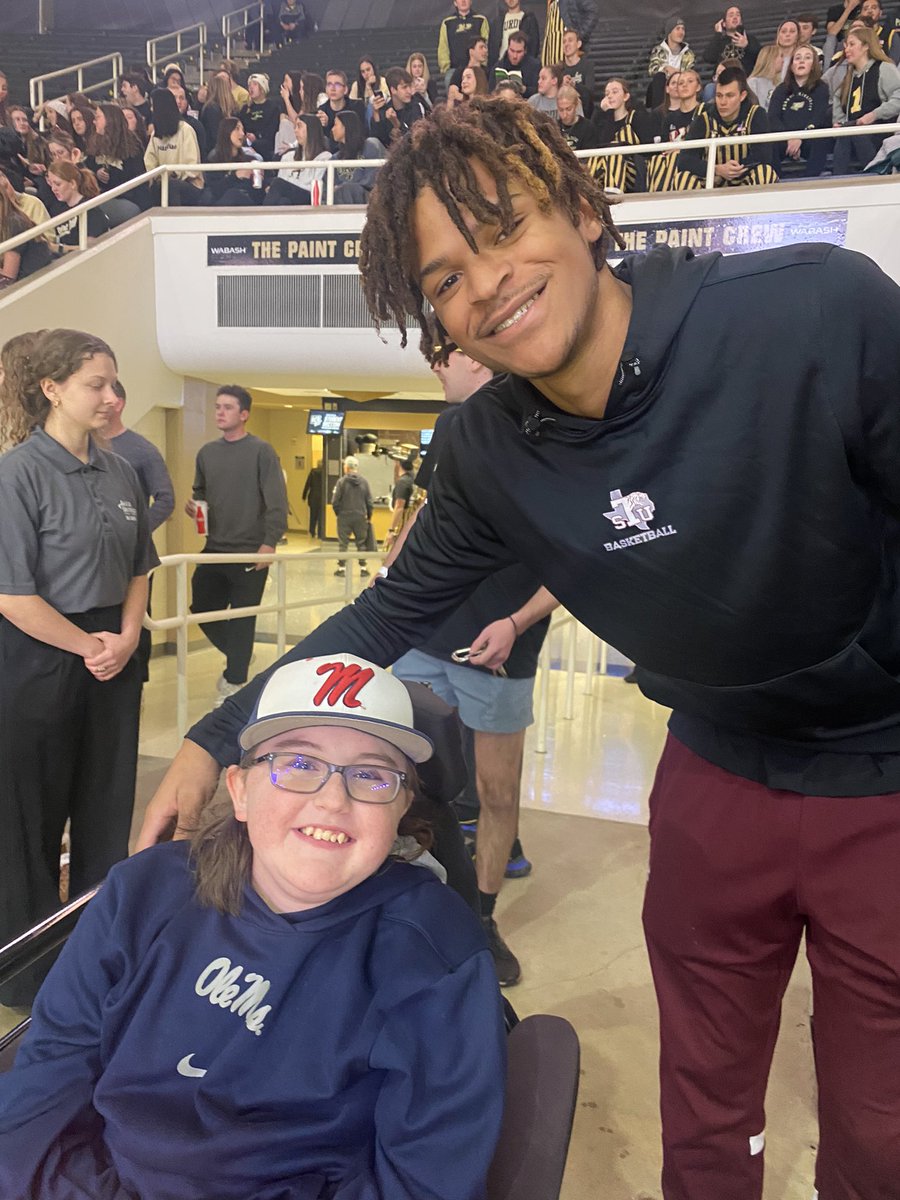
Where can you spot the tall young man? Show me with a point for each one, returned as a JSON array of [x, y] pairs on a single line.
[[738, 540], [455, 36], [240, 479], [513, 19]]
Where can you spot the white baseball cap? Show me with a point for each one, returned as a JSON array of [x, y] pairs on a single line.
[[341, 690]]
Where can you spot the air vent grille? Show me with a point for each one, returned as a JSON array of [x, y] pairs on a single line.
[[269, 301]]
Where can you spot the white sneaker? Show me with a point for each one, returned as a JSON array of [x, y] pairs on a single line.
[[225, 689]]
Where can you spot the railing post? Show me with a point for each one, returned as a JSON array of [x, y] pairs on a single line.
[[81, 79], [543, 699], [710, 167], [262, 29], [83, 231], [164, 189], [281, 616], [604, 658], [202, 51], [569, 711], [348, 581], [329, 184], [590, 664], [181, 646]]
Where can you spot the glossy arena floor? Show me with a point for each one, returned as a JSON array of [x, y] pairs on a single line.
[[575, 925]]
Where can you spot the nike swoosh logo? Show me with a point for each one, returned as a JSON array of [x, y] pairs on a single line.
[[189, 1072]]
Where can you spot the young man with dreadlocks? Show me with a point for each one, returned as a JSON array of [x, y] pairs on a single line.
[[736, 540]]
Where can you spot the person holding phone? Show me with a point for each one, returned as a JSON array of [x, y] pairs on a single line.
[[731, 40]]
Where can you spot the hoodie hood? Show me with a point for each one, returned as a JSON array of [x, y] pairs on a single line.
[[652, 330]]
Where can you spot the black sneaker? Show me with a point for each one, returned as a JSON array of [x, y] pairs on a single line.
[[505, 962]]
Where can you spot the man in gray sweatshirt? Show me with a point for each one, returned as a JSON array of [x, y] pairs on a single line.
[[352, 504], [240, 478]]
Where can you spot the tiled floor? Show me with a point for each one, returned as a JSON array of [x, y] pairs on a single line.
[[575, 923]]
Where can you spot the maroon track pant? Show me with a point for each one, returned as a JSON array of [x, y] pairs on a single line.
[[738, 874]]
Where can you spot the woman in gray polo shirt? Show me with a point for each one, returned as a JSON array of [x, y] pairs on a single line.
[[74, 555]]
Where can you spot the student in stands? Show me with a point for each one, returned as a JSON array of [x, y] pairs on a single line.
[[579, 132], [802, 102], [473, 83], [578, 70], [869, 93], [260, 117], [4, 99], [423, 85], [353, 184], [69, 186], [368, 81], [174, 141], [296, 184], [135, 91], [808, 24], [24, 260], [519, 65], [33, 208], [672, 123], [81, 118], [237, 188], [115, 154], [33, 148], [395, 114], [732, 41], [478, 57], [455, 37], [183, 104], [733, 113], [581, 15], [511, 18], [219, 104], [291, 21], [550, 80], [887, 29], [337, 102], [619, 123], [136, 124], [173, 78], [233, 73], [313, 93], [671, 55], [767, 74], [360, 1051]]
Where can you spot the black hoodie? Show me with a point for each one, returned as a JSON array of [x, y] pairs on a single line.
[[731, 524]]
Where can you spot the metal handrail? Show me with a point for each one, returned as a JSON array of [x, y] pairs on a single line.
[[228, 31], [36, 84], [164, 171], [153, 60], [32, 945]]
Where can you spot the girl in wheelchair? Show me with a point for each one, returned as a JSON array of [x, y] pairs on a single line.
[[281, 1008]]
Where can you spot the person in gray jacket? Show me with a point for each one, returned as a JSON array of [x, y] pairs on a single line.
[[352, 504]]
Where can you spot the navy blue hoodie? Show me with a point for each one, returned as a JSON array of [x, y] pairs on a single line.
[[731, 524], [354, 1051]]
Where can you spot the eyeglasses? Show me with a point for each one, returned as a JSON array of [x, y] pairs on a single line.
[[368, 784]]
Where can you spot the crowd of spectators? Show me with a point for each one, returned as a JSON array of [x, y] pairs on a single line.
[[75, 149]]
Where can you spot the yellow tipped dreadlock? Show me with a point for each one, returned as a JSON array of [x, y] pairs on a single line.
[[512, 142]]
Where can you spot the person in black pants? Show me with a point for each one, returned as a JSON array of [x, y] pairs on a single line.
[[312, 494], [75, 550], [240, 479]]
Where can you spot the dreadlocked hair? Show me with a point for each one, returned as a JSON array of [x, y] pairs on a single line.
[[514, 144]]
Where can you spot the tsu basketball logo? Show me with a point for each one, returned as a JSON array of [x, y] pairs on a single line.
[[634, 511]]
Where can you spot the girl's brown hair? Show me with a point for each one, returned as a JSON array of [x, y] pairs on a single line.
[[218, 91], [117, 143], [15, 422], [222, 855], [86, 180], [869, 39], [29, 359]]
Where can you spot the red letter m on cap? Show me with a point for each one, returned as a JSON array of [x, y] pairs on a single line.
[[344, 683]]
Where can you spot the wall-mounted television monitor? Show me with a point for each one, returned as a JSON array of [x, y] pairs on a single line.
[[425, 436], [324, 422]]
